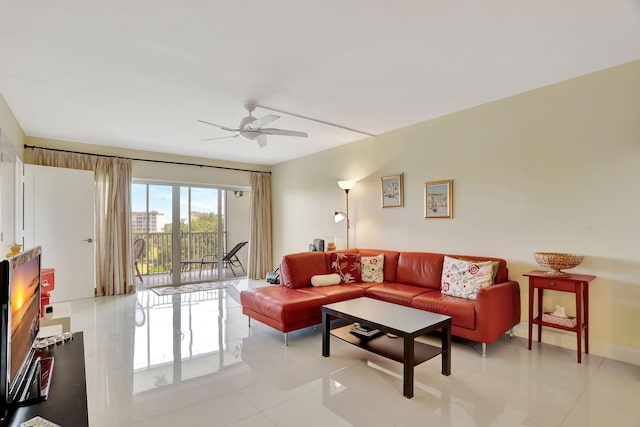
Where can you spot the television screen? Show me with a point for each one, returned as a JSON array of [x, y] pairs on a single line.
[[20, 323], [25, 312]]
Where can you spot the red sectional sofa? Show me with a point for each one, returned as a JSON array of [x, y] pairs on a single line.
[[410, 278]]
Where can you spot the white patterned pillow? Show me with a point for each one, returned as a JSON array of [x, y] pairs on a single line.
[[372, 268], [464, 278]]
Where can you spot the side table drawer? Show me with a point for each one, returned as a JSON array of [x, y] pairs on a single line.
[[555, 283]]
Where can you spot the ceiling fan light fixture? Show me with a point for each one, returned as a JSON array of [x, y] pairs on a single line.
[[252, 128], [250, 135]]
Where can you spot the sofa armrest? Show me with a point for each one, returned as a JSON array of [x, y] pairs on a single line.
[[498, 307]]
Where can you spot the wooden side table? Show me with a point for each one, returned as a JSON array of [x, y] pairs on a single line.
[[575, 283]]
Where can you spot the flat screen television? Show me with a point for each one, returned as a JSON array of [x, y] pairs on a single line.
[[20, 278]]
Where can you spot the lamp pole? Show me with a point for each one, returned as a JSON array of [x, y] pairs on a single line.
[[346, 192], [346, 186]]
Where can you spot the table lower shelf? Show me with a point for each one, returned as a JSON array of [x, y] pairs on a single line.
[[391, 348], [538, 321]]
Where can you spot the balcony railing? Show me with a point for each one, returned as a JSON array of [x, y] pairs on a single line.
[[157, 258]]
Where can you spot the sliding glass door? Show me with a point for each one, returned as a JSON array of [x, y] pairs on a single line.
[[182, 230]]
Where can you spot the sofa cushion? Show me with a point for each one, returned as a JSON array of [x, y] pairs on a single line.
[[390, 261], [462, 311], [495, 265], [336, 293], [283, 304], [347, 265], [420, 269], [296, 270], [325, 279], [396, 293], [502, 275], [372, 268], [464, 279]]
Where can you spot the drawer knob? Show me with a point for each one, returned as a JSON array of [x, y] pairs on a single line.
[[552, 284]]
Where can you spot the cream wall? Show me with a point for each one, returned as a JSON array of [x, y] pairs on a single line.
[[555, 169], [11, 153], [9, 126]]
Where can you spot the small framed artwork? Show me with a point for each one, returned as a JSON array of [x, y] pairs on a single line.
[[438, 199], [392, 191]]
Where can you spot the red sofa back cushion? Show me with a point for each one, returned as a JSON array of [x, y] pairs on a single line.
[[419, 269], [296, 269]]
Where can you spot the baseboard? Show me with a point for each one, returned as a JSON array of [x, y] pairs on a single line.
[[568, 340]]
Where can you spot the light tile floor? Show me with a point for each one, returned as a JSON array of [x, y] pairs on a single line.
[[191, 360]]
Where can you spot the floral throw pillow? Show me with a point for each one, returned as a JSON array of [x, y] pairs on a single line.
[[372, 268], [347, 266], [464, 279]]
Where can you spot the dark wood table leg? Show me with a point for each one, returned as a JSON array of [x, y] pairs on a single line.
[[326, 333], [540, 292], [446, 350], [585, 315], [409, 361], [579, 320], [531, 296]]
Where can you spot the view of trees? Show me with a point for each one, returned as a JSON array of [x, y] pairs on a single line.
[[200, 221]]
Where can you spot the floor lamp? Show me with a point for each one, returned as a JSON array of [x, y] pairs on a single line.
[[339, 216]]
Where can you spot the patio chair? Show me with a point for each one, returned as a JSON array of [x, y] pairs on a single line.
[[230, 259], [138, 250]]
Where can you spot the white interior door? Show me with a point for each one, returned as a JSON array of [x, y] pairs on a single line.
[[59, 216]]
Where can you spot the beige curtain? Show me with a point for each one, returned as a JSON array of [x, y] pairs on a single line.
[[114, 252], [260, 253], [61, 159], [114, 249]]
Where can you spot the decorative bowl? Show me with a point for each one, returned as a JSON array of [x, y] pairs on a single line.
[[557, 261]]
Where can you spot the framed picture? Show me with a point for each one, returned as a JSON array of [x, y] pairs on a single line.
[[438, 199], [392, 191]]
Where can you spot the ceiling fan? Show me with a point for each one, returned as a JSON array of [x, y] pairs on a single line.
[[251, 128]]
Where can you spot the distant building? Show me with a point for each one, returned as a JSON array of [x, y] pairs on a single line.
[[139, 222]]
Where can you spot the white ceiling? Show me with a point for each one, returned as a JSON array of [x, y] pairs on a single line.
[[138, 74]]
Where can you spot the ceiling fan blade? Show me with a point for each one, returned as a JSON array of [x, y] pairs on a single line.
[[220, 137], [258, 123], [271, 131], [219, 126], [262, 140]]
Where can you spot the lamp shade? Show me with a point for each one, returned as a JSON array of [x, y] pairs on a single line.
[[339, 216], [346, 185]]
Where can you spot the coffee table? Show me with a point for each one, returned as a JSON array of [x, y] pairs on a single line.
[[405, 322]]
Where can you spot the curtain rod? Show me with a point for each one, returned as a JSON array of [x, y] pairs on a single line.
[[147, 160]]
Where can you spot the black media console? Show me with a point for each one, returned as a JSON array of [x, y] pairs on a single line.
[[66, 404]]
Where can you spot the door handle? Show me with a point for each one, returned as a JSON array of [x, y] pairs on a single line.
[[89, 240]]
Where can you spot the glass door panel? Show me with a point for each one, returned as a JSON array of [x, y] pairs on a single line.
[[200, 221], [151, 218]]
